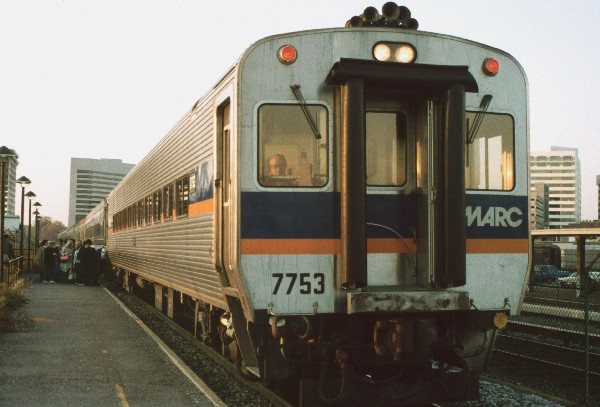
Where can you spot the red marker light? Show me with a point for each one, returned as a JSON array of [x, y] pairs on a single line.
[[287, 54], [491, 66]]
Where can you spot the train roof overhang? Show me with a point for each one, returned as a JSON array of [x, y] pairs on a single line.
[[376, 73]]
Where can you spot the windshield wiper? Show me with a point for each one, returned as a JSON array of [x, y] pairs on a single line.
[[313, 126], [485, 103]]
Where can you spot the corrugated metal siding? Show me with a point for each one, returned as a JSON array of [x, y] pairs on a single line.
[[174, 253]]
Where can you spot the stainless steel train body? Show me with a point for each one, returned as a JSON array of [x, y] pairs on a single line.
[[92, 226], [356, 224]]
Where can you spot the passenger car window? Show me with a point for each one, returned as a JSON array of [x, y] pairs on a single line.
[[489, 157], [289, 153]]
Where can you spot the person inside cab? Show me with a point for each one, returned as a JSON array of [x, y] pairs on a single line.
[[278, 175]]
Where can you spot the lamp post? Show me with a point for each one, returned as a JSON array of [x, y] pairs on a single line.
[[23, 181], [37, 225], [5, 155], [29, 195]]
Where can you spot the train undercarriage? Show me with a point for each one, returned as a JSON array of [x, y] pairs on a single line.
[[331, 359]]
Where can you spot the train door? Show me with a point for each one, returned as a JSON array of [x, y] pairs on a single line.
[[403, 224], [391, 218], [223, 190]]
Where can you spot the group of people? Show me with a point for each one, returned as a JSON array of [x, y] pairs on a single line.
[[70, 261], [7, 248]]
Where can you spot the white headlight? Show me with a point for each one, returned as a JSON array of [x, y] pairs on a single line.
[[405, 54], [382, 52], [394, 52]]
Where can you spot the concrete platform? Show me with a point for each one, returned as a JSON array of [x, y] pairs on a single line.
[[85, 349]]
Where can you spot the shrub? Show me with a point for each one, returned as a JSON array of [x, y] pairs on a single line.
[[12, 299]]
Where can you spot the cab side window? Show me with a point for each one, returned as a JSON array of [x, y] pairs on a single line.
[[489, 156]]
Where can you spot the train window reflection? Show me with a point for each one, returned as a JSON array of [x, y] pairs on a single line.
[[183, 195], [386, 148], [289, 154], [168, 201], [489, 158], [157, 205]]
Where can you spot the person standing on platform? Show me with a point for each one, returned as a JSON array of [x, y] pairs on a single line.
[[8, 248], [77, 263], [66, 260], [50, 260], [89, 263], [56, 250], [39, 259]]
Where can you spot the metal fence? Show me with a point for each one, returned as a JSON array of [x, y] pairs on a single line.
[[563, 291], [11, 270], [568, 306]]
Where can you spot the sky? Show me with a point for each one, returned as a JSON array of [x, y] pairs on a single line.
[[108, 79]]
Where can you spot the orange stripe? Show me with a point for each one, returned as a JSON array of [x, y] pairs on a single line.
[[290, 246], [390, 246], [332, 246], [318, 246], [497, 246], [201, 208]]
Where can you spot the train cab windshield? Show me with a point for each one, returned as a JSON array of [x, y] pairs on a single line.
[[289, 154]]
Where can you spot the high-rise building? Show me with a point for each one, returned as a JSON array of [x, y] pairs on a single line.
[[91, 182], [10, 168], [560, 169], [540, 199]]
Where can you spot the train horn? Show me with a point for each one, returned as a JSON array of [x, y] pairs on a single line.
[[413, 24], [392, 16], [390, 11], [355, 21], [371, 15], [404, 14]]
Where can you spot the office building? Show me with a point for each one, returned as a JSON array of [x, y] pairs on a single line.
[[9, 187], [540, 197], [560, 169], [91, 182]]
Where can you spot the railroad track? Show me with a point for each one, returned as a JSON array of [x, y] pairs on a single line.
[[550, 367], [549, 354]]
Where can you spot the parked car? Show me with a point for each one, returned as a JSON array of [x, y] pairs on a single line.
[[572, 280], [569, 281], [547, 273]]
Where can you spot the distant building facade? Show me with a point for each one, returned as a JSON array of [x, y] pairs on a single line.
[[540, 200], [560, 169], [10, 177], [91, 182]]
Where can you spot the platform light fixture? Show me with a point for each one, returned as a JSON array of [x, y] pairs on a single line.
[[29, 195], [23, 181]]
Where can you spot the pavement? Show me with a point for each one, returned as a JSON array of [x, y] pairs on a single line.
[[85, 349]]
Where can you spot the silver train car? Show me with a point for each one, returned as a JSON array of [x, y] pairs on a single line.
[[92, 226], [346, 209]]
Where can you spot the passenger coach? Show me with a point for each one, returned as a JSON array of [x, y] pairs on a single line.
[[346, 208]]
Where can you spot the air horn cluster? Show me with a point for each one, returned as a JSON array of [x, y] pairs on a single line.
[[392, 16]]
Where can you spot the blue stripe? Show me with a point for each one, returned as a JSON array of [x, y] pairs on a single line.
[[491, 227], [312, 215], [309, 215]]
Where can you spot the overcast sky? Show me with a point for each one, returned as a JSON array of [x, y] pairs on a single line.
[[108, 79]]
